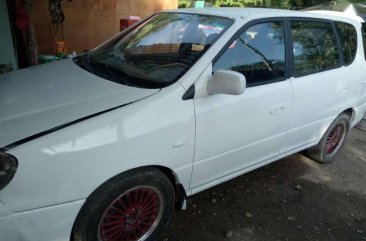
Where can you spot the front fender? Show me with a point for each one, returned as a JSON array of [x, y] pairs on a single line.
[[71, 163]]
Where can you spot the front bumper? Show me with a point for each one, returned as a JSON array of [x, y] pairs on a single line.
[[52, 223]]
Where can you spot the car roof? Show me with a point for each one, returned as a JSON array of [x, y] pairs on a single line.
[[244, 13], [340, 14], [230, 11]]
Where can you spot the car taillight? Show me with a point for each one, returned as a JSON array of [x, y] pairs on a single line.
[[8, 166]]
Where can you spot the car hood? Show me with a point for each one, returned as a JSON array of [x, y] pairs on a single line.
[[47, 96]]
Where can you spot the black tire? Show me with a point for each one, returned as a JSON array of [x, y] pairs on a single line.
[[138, 203], [328, 147]]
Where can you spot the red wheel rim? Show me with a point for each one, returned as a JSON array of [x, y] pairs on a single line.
[[132, 216], [334, 139]]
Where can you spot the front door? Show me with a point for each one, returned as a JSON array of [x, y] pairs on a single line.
[[241, 132]]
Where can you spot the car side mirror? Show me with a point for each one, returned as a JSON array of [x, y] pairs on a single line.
[[226, 82]]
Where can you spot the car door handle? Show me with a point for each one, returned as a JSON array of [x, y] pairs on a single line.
[[363, 83], [277, 109]]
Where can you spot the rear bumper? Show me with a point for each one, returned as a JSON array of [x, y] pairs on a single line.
[[45, 224]]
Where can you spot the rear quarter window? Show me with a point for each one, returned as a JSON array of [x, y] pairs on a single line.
[[348, 38]]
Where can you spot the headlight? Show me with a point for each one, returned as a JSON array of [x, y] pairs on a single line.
[[8, 166]]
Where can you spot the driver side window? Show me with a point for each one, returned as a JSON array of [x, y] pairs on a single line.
[[259, 54]]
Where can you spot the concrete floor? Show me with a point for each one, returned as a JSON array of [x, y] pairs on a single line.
[[293, 199]]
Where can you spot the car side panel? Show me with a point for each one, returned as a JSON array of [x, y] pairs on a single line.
[[357, 91]]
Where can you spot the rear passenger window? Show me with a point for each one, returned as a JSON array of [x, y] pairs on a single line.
[[315, 47], [258, 53], [348, 37], [364, 37]]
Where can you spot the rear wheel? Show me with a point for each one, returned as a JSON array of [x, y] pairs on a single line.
[[332, 140], [135, 206]]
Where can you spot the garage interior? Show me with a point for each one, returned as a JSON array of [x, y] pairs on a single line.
[[33, 31]]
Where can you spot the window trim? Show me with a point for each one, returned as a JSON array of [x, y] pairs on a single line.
[[363, 38], [293, 19], [339, 43], [251, 24]]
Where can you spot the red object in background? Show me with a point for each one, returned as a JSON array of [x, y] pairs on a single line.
[[125, 23], [22, 20]]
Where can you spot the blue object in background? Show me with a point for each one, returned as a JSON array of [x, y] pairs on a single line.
[[199, 4]]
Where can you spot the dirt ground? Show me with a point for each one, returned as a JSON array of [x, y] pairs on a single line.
[[293, 199]]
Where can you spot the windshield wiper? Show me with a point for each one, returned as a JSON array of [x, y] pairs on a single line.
[[82, 61], [100, 69], [116, 74], [266, 61]]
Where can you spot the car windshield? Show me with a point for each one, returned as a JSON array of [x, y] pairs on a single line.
[[157, 52]]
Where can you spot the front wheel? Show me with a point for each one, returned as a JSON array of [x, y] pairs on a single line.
[[332, 141], [134, 206]]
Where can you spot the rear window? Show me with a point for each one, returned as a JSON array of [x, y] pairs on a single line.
[[364, 37], [348, 37]]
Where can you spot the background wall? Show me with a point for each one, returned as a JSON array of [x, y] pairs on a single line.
[[89, 22], [6, 40]]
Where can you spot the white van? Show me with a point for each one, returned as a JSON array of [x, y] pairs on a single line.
[[101, 147]]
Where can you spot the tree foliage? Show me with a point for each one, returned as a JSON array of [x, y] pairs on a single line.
[[224, 3], [184, 3], [236, 3], [291, 4]]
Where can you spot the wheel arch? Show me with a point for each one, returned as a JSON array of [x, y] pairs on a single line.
[[350, 112], [332, 140], [180, 194]]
